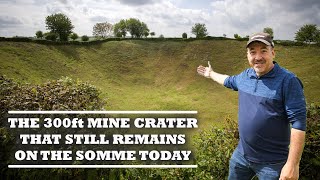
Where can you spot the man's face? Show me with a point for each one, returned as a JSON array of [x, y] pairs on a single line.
[[260, 57]]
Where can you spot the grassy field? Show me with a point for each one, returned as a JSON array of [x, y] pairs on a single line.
[[144, 75]]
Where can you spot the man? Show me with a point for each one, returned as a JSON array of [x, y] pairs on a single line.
[[272, 115]]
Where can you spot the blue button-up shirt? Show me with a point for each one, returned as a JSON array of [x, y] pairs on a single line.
[[267, 106]]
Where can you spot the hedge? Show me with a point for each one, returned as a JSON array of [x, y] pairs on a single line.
[[99, 41]]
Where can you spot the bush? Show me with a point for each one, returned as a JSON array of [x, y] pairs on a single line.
[[243, 38], [74, 36], [16, 39], [119, 34], [212, 150], [310, 161], [62, 94], [85, 38], [288, 43], [184, 35], [50, 36], [39, 34], [216, 38]]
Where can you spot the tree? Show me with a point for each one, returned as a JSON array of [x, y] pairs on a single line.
[[136, 28], [133, 26], [146, 34], [318, 37], [184, 35], [39, 34], [85, 38], [118, 34], [236, 36], [268, 30], [74, 36], [102, 30], [224, 35], [199, 30], [145, 30], [308, 33], [59, 24], [152, 34], [120, 28]]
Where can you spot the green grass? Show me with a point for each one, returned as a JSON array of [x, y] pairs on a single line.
[[145, 75]]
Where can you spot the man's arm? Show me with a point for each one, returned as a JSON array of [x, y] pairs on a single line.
[[291, 169], [209, 73]]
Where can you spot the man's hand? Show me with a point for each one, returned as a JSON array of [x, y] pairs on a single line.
[[289, 172], [209, 73], [204, 71], [291, 169]]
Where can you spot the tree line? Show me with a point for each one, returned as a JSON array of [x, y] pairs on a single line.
[[61, 28]]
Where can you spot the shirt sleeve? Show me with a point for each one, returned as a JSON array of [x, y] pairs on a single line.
[[231, 82], [295, 104]]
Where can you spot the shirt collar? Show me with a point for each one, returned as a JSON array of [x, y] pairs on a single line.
[[271, 73]]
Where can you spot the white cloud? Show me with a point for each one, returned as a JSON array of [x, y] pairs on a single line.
[[168, 17], [285, 17], [136, 2]]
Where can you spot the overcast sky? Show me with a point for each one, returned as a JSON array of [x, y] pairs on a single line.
[[167, 17]]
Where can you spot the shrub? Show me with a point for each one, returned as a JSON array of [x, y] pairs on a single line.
[[118, 34], [50, 36], [184, 35], [310, 161], [85, 38], [16, 39], [39, 34], [212, 150], [216, 38], [288, 43], [243, 39], [74, 36], [62, 94]]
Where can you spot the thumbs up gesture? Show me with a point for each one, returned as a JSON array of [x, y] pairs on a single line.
[[204, 71]]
